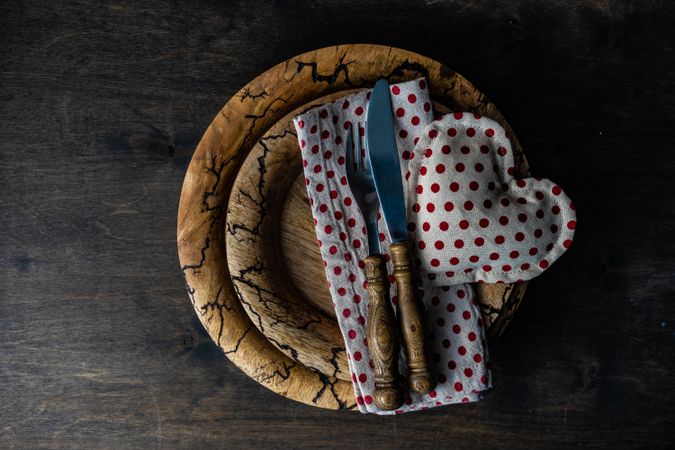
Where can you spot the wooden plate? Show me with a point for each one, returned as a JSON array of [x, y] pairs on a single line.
[[277, 273], [279, 359]]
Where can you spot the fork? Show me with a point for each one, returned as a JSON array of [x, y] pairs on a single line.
[[382, 329]]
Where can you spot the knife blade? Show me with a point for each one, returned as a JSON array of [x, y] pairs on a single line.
[[384, 161]]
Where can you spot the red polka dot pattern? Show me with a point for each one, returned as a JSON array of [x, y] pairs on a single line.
[[507, 230], [453, 314]]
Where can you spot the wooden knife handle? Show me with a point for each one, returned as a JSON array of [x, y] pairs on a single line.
[[383, 338], [410, 313]]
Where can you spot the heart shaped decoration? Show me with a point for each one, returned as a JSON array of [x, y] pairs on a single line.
[[470, 219]]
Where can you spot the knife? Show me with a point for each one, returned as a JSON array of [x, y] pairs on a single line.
[[386, 170]]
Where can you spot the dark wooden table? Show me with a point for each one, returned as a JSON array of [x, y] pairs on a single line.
[[101, 107]]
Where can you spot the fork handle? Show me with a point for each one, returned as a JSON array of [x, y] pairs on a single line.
[[410, 313], [383, 338]]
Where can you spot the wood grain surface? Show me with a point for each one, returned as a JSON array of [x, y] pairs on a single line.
[[285, 313], [411, 318], [102, 105], [383, 335]]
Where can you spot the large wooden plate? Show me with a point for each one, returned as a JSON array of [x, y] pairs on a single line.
[[280, 360]]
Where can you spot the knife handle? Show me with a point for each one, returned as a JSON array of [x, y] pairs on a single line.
[[410, 313], [383, 338]]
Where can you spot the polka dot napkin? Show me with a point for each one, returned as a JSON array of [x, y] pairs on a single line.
[[456, 336]]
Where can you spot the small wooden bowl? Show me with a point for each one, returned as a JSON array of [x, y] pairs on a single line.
[[252, 268]]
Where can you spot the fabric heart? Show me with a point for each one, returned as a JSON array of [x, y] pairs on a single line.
[[471, 220]]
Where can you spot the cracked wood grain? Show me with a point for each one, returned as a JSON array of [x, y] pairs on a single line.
[[250, 314], [340, 68], [277, 308]]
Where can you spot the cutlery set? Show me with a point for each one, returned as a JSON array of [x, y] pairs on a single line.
[[375, 180]]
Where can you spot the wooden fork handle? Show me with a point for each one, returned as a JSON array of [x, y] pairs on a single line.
[[410, 312], [383, 338]]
